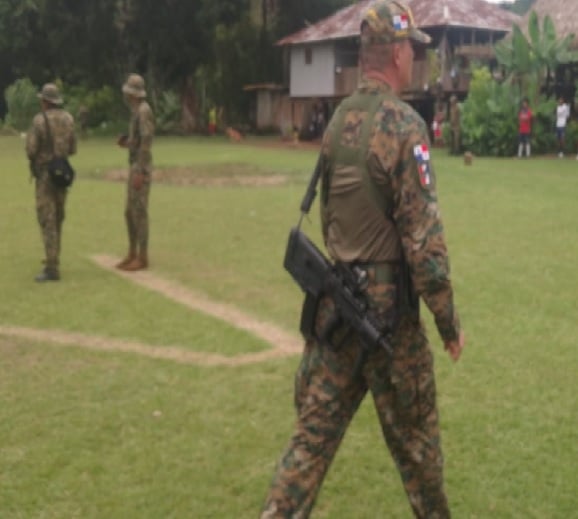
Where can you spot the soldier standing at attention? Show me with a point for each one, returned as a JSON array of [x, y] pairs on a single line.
[[42, 145], [379, 212], [139, 143]]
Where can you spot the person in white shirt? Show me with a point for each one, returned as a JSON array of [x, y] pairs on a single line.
[[562, 114]]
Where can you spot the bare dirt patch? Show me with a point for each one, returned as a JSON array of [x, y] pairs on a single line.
[[175, 354], [269, 333], [236, 175]]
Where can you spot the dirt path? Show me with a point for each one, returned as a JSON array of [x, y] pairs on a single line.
[[175, 354], [283, 344]]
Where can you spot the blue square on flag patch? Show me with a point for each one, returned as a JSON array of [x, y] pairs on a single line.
[[421, 154], [400, 22]]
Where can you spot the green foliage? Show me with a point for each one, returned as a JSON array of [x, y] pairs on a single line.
[[167, 41], [167, 112], [571, 141], [490, 118], [543, 125], [105, 105], [530, 62], [22, 103]]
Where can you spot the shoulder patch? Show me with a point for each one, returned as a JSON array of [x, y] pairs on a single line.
[[421, 154]]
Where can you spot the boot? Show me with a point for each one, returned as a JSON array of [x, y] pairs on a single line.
[[47, 274], [139, 263], [129, 258]]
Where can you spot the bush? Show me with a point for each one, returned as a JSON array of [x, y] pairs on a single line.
[[571, 137], [490, 118], [22, 104], [105, 106], [168, 113]]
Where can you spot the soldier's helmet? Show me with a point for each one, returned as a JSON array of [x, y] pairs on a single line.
[[50, 94], [134, 86], [389, 21]]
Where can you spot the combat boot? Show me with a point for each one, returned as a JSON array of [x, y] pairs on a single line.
[[47, 274], [141, 262], [128, 259]]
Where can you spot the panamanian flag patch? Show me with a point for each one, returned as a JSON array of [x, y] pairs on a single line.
[[401, 22], [421, 154]]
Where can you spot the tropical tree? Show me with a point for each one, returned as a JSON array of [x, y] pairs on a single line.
[[529, 62], [202, 49]]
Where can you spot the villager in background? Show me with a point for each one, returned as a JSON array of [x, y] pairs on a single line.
[[524, 129], [562, 115], [455, 126]]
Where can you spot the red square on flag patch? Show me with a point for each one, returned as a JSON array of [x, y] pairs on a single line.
[[401, 22], [421, 154]]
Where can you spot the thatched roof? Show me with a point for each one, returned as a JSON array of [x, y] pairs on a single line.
[[428, 14], [564, 14]]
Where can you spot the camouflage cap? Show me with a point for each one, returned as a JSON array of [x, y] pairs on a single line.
[[391, 21], [51, 94], [134, 86]]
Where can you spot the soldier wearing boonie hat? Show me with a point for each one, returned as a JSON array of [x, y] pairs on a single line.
[[379, 214], [50, 94], [139, 143], [134, 86], [51, 135]]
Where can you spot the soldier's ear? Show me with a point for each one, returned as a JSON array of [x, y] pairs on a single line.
[[396, 54]]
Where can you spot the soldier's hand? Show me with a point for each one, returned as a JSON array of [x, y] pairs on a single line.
[[122, 141], [137, 180], [454, 348]]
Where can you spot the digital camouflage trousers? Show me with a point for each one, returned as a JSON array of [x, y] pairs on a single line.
[[328, 392]]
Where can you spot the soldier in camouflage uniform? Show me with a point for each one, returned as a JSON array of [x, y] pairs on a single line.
[[379, 212], [139, 143], [40, 149], [455, 125]]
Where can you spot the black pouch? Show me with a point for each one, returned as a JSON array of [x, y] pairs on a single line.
[[61, 172]]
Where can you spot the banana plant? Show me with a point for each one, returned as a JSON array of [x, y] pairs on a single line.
[[529, 61]]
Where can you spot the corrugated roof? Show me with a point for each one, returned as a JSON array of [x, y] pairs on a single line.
[[477, 14]]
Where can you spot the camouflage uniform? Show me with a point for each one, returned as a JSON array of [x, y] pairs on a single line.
[[455, 125], [140, 138], [391, 157], [50, 200]]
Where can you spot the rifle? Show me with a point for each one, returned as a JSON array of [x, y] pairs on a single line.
[[344, 285]]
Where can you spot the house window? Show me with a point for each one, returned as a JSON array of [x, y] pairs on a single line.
[[308, 55]]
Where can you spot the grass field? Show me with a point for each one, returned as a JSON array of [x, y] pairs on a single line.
[[89, 434]]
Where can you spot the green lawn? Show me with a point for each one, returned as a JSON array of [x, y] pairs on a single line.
[[86, 434]]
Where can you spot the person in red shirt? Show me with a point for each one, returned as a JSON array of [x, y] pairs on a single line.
[[524, 128]]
